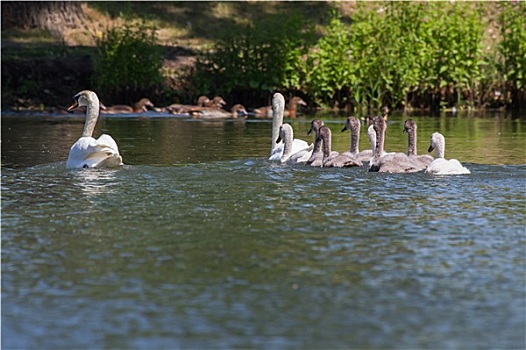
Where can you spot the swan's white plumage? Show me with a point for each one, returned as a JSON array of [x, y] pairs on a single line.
[[297, 146], [442, 166], [276, 150], [290, 154], [88, 152]]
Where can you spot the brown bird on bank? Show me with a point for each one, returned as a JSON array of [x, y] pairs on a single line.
[[138, 107], [217, 113], [216, 102], [202, 102], [290, 111]]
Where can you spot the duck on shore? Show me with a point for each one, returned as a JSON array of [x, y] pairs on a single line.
[[217, 113], [138, 107], [290, 110]]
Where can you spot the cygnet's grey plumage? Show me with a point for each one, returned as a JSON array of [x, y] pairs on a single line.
[[334, 159], [390, 163], [353, 124], [316, 158], [442, 166], [422, 161]]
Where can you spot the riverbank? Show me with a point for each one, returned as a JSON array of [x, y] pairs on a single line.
[[42, 69]]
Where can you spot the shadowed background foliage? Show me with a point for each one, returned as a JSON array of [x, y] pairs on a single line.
[[346, 55]]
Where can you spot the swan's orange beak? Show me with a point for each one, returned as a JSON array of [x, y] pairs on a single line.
[[74, 105]]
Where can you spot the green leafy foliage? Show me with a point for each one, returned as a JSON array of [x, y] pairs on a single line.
[[264, 57], [329, 66], [401, 54], [128, 63], [405, 47], [512, 22]]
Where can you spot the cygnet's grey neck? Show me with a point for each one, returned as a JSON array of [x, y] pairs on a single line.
[[379, 128], [355, 135], [411, 141], [287, 141], [325, 135]]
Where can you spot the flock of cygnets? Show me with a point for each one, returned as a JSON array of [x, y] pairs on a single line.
[[103, 152], [286, 149]]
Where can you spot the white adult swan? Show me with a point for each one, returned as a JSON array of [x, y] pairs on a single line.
[[88, 152], [276, 150], [441, 166], [286, 134]]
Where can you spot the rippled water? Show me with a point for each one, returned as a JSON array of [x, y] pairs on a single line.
[[199, 242]]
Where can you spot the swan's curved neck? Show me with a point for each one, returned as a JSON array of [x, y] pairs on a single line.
[[411, 142], [287, 143], [372, 138], [440, 148], [326, 138], [379, 149], [355, 139], [278, 106], [317, 144], [92, 113]]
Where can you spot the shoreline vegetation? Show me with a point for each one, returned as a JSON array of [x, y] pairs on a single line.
[[349, 56]]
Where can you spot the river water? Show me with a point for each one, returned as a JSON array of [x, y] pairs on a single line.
[[200, 242]]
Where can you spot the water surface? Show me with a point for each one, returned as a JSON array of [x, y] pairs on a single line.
[[199, 242]]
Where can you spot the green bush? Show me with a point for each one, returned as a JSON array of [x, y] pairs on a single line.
[[453, 57], [386, 56], [330, 67], [512, 47], [265, 57], [400, 54], [128, 63]]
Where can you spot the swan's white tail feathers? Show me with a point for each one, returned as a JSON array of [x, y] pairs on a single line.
[[90, 153]]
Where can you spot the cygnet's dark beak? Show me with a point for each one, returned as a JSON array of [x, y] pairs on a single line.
[[430, 149], [310, 130], [344, 128], [278, 140]]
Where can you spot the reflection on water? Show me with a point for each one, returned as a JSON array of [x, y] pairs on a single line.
[[95, 182], [199, 242], [29, 140]]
